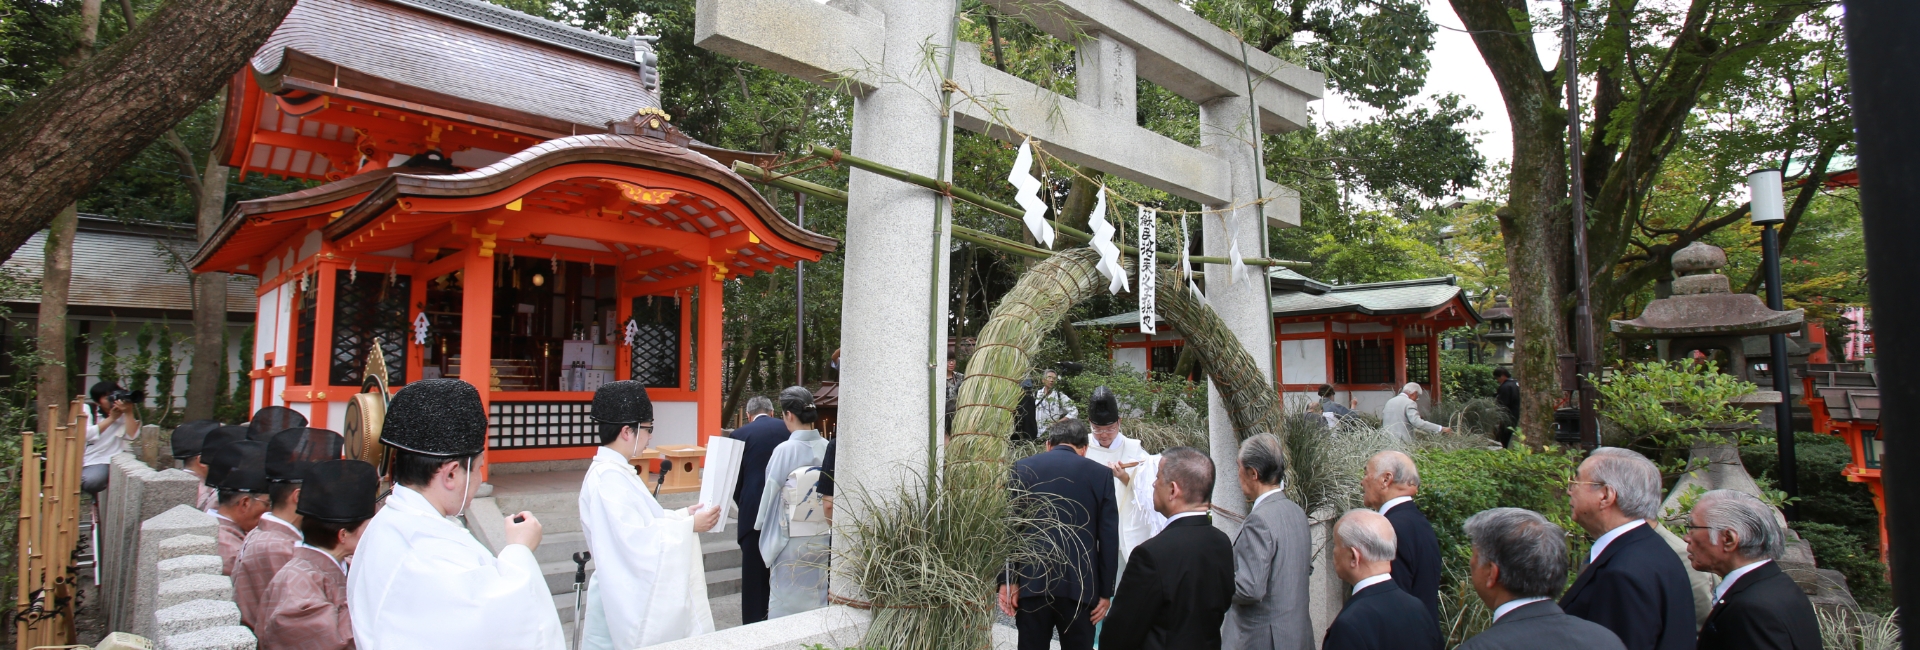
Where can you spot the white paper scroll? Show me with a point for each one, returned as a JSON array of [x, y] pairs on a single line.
[[1186, 263], [1239, 266], [633, 332], [1029, 195], [1103, 231], [1149, 240], [719, 476]]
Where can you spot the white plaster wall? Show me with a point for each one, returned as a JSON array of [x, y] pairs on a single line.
[[125, 333], [1303, 362], [336, 415], [676, 423], [1136, 357], [1371, 401], [1368, 328]]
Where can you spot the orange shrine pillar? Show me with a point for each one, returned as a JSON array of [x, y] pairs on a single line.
[[476, 322], [711, 299]]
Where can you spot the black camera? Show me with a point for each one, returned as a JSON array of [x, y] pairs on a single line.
[[134, 396]]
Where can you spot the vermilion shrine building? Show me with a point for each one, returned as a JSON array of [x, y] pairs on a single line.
[[1366, 340], [499, 199]]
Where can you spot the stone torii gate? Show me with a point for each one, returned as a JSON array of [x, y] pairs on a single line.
[[887, 53]]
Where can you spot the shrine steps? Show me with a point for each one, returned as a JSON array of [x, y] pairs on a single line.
[[554, 498]]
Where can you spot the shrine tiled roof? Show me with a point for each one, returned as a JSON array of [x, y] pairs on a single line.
[[128, 269], [468, 50]]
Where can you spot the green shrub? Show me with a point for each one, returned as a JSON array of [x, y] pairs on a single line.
[[1158, 398], [1838, 549], [1670, 402], [1454, 485], [1463, 381]]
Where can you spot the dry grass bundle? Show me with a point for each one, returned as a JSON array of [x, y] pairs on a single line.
[[1251, 401], [1327, 464]]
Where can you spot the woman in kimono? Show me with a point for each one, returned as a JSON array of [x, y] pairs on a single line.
[[649, 581], [306, 604], [794, 538]]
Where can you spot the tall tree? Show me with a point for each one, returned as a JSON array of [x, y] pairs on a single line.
[[105, 110], [56, 275], [1650, 68]]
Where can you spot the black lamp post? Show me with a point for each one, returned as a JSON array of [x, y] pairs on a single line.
[[1769, 211]]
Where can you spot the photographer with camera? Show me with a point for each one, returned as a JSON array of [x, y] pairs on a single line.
[[110, 426]]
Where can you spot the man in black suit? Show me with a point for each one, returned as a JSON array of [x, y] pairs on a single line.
[[1378, 614], [1633, 584], [1392, 481], [1179, 584], [1519, 562], [762, 433], [1738, 537], [1507, 395], [1073, 596]]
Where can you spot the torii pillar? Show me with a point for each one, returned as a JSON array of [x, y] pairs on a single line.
[[877, 50]]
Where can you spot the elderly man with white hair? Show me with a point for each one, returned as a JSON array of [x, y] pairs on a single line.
[[1378, 615], [1401, 415], [1734, 535], [1633, 583], [1391, 482]]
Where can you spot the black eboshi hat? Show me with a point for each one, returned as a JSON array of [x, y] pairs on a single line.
[[292, 450], [622, 402], [1103, 409], [272, 420], [338, 491], [189, 437], [436, 417], [240, 466]]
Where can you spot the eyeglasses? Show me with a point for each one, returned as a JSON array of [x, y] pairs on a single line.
[[1570, 484]]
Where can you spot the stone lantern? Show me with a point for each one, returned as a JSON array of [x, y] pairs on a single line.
[[1499, 333], [1704, 315]]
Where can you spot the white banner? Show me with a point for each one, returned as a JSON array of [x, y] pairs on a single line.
[[1103, 233], [1149, 238], [1186, 264]]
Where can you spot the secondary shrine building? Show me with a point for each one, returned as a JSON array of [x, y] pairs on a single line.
[[1366, 340], [497, 198]]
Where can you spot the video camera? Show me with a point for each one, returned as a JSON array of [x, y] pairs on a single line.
[[136, 397]]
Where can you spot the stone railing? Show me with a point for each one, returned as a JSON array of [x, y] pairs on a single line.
[[179, 595]]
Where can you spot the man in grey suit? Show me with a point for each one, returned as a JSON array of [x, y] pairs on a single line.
[[1519, 564], [1271, 558]]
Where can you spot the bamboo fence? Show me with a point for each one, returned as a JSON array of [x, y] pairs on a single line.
[[48, 588]]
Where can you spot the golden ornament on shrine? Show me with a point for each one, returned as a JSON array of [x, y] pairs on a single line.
[[646, 195]]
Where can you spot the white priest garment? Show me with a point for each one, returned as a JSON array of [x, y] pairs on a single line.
[[420, 580], [1135, 526], [649, 581]]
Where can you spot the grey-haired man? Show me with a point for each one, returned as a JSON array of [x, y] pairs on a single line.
[[1519, 563]]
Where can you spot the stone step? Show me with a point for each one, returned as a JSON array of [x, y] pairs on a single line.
[[715, 556], [723, 587], [560, 547], [720, 555], [723, 582]]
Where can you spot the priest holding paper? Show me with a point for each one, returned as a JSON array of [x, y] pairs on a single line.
[[649, 584], [1134, 471]]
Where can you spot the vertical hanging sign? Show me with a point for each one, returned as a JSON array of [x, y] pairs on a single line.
[[1149, 238]]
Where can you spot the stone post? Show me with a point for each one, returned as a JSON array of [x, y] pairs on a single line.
[[1105, 77], [1226, 132], [895, 305], [135, 494]]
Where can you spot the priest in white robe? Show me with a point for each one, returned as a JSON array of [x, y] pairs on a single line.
[[419, 578], [1133, 472], [795, 539], [649, 582]]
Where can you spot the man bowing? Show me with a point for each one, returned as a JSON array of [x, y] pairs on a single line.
[[649, 582], [419, 579]]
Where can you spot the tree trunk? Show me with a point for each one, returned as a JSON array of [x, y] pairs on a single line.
[[105, 111], [1534, 223], [56, 277], [1080, 198], [210, 303], [749, 364]]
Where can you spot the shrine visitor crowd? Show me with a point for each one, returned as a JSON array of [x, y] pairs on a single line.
[[321, 560]]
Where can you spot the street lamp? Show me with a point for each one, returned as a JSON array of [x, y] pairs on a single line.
[[1768, 211]]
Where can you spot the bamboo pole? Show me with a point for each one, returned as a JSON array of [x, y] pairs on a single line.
[[758, 175], [28, 532], [976, 198]]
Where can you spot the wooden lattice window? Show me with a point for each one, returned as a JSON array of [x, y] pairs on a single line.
[[366, 306], [1372, 361], [303, 324], [529, 425], [1417, 363], [655, 355]]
